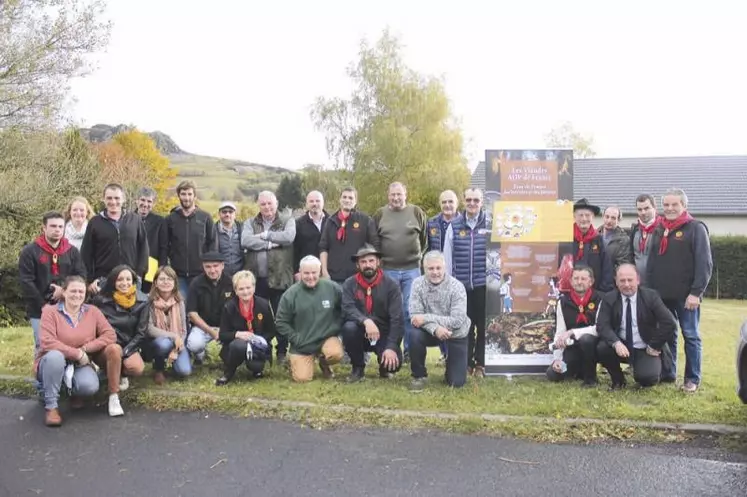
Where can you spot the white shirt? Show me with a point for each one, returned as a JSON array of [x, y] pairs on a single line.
[[318, 224], [577, 332], [638, 342]]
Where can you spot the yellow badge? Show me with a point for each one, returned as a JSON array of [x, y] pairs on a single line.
[[356, 225], [462, 233], [678, 234], [433, 231], [591, 306], [260, 316]]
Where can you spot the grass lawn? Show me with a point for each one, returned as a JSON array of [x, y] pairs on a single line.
[[715, 402]]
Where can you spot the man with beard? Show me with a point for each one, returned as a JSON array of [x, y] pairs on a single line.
[[309, 228], [680, 267], [588, 247], [372, 316], [616, 241], [112, 238], [346, 232], [190, 234], [641, 231], [155, 227], [227, 236], [43, 266], [575, 331]]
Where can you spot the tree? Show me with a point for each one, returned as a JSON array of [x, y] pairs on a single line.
[[160, 176], [329, 182], [565, 136], [396, 126], [43, 45], [118, 167], [290, 192]]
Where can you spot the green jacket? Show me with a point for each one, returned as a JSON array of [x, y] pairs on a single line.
[[308, 316], [282, 232]]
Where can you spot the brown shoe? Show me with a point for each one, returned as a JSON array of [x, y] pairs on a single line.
[[77, 403], [159, 378], [327, 372], [53, 418]]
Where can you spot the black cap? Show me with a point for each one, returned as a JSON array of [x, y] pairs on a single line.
[[213, 257], [584, 204], [367, 249]]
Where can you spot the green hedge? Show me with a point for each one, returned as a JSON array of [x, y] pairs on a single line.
[[729, 280]]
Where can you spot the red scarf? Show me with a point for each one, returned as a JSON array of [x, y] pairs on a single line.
[[247, 312], [645, 231], [63, 247], [368, 287], [582, 303], [670, 226], [343, 223], [583, 239]]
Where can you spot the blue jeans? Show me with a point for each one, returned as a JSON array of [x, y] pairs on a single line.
[[197, 342], [51, 371], [162, 347], [183, 284], [35, 322], [689, 324], [405, 277]]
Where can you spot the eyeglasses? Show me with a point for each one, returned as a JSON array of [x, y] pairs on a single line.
[[473, 200]]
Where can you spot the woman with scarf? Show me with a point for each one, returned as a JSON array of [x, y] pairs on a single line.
[[73, 336], [168, 326], [247, 325], [127, 311], [77, 214]]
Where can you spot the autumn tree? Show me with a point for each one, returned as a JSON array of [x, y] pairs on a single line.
[[565, 136], [328, 181], [397, 125], [290, 192], [43, 45]]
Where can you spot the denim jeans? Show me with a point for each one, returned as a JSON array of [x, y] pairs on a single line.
[[35, 322], [197, 342], [51, 371], [162, 347], [405, 277], [183, 284], [689, 324]]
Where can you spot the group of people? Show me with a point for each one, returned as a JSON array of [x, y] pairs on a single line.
[[315, 288]]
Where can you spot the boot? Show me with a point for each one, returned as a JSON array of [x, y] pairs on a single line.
[[53, 418], [358, 374]]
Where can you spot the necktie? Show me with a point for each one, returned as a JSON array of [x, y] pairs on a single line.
[[628, 325]]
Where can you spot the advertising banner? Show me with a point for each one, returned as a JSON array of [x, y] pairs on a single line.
[[529, 204]]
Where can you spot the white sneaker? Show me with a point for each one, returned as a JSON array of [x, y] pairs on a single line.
[[115, 408], [124, 383]]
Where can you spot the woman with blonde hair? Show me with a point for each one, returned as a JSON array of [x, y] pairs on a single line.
[[77, 213], [168, 326]]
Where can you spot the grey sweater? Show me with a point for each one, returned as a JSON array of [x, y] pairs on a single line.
[[444, 305]]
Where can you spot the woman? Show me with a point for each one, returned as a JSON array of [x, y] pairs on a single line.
[[127, 311], [246, 327], [168, 326], [77, 214], [75, 337]]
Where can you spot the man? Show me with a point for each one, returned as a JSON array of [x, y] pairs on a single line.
[[43, 266], [268, 239], [680, 267], [372, 316], [616, 241], [401, 230], [309, 318], [438, 306], [190, 234], [470, 254], [575, 330], [155, 228], [641, 232], [634, 326], [346, 232], [114, 237], [227, 236], [208, 293], [309, 228], [588, 247]]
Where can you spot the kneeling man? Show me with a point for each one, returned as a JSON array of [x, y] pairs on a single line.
[[575, 330], [309, 316], [634, 326], [438, 306], [372, 316]]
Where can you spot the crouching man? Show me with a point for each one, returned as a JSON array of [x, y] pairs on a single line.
[[634, 326], [438, 306], [309, 316], [372, 313]]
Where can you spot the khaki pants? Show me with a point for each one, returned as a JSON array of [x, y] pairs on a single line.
[[111, 359], [302, 366]]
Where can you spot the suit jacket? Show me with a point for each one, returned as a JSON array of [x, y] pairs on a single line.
[[656, 324]]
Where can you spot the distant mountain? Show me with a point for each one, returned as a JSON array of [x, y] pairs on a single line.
[[103, 132]]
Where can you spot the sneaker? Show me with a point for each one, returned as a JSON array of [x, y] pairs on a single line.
[[479, 372], [124, 383], [115, 408], [159, 378], [357, 375], [326, 370], [223, 380], [417, 384], [53, 418], [690, 387]]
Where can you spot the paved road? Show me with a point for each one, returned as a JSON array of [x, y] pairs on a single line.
[[197, 454]]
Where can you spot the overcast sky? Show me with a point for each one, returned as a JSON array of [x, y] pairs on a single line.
[[237, 79]]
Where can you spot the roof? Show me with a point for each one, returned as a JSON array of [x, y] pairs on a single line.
[[715, 185]]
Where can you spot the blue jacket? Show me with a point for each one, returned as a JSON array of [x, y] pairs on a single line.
[[470, 251], [436, 232]]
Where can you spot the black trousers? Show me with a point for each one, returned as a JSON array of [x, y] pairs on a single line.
[[456, 358], [234, 355], [476, 336], [356, 345], [273, 295], [646, 368], [581, 359]]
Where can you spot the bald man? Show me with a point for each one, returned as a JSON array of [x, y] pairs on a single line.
[[309, 228]]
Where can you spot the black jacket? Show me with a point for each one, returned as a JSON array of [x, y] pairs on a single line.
[[387, 309], [189, 237], [130, 325], [360, 230], [35, 275], [570, 310], [307, 238], [596, 258], [656, 324], [107, 245], [158, 238], [617, 249], [231, 320]]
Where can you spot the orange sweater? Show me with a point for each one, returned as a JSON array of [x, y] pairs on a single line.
[[55, 333]]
